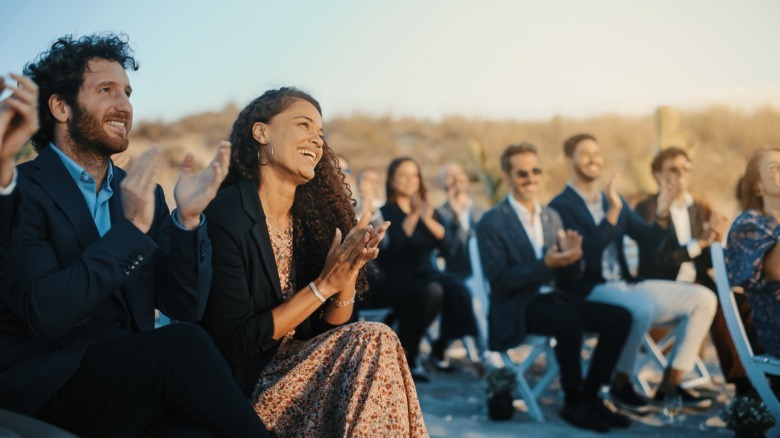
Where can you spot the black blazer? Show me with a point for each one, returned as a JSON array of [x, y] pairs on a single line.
[[74, 288], [246, 285], [663, 260], [595, 237], [515, 274], [8, 209], [457, 254]]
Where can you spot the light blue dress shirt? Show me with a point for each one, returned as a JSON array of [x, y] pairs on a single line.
[[97, 201]]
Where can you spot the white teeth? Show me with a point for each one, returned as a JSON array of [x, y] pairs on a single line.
[[307, 153], [115, 123]]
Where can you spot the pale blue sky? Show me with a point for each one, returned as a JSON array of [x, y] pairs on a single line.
[[491, 59]]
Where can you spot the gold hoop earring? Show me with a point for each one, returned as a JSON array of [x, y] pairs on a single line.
[[271, 154]]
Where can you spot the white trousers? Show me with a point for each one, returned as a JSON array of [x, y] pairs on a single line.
[[689, 307]]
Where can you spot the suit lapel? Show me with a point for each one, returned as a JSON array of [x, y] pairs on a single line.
[[259, 231], [581, 209], [53, 177], [516, 231]]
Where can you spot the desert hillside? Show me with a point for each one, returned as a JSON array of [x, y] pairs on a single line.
[[720, 140]]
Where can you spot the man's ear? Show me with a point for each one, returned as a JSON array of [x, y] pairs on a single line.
[[507, 181], [259, 132], [59, 109]]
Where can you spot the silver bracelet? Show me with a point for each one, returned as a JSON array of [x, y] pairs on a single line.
[[316, 292], [340, 303]]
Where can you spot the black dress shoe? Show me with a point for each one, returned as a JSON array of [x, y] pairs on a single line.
[[614, 418], [625, 397], [689, 398], [584, 416]]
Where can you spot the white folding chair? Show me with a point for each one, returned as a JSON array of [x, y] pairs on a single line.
[[654, 357], [756, 366], [479, 290], [536, 346]]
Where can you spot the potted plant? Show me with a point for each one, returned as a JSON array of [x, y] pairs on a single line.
[[747, 417], [500, 383]]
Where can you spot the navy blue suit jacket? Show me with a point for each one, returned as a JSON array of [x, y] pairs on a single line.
[[515, 274], [74, 288], [596, 237]]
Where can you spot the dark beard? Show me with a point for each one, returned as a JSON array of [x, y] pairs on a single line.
[[582, 175], [88, 135]]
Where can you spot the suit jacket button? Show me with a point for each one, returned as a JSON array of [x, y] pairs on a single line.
[[139, 257], [126, 271]]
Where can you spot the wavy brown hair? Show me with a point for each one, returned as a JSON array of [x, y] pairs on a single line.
[[392, 169], [751, 197], [320, 206]]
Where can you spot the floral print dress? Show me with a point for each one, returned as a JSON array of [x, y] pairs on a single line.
[[352, 381], [751, 236]]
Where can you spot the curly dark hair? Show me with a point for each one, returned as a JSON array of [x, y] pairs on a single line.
[[61, 70], [320, 206], [392, 168]]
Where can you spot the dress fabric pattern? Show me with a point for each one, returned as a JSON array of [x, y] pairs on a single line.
[[751, 236], [350, 381]]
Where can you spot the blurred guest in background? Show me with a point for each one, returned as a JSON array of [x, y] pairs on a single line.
[[459, 216], [684, 255], [603, 219], [522, 245], [409, 282], [753, 256], [369, 197]]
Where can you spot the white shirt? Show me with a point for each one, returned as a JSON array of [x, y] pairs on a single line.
[[464, 217], [5, 191], [532, 224], [610, 267], [682, 227]]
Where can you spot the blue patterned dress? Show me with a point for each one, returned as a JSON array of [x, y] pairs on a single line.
[[751, 236]]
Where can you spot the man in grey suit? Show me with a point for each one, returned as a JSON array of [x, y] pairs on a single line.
[[524, 248], [459, 216]]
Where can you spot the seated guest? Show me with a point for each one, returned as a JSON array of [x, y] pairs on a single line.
[[285, 283], [368, 194], [95, 251], [459, 216], [752, 253], [522, 244], [409, 282], [603, 219], [684, 255]]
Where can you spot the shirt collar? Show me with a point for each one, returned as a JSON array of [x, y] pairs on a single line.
[[584, 198], [686, 202], [521, 210], [77, 172]]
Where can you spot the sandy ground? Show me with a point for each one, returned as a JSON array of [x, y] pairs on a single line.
[[454, 406]]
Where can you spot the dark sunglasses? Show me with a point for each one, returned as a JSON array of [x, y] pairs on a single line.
[[678, 171], [525, 174]]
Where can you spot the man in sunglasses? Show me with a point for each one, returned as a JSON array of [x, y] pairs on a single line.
[[524, 248], [685, 256], [603, 218]]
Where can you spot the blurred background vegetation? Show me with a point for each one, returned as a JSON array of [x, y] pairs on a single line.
[[719, 139]]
